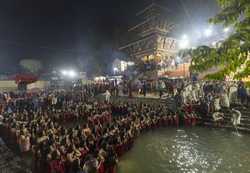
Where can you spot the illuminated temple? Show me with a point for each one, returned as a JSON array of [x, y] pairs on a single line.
[[153, 50]]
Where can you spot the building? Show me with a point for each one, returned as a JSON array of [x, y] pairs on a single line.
[[120, 66], [154, 46]]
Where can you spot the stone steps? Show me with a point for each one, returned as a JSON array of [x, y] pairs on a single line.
[[245, 120], [239, 128]]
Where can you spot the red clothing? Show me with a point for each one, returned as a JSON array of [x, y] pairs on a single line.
[[165, 121], [56, 166], [193, 121], [83, 153], [177, 121], [170, 120], [101, 168], [119, 150], [187, 120], [189, 109]]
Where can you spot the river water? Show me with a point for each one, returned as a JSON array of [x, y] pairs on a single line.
[[194, 150]]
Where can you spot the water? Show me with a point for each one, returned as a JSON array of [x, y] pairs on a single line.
[[195, 150]]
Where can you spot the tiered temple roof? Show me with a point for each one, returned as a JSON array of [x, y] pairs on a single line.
[[153, 44]]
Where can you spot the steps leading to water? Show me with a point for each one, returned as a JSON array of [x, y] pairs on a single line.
[[206, 121], [244, 125]]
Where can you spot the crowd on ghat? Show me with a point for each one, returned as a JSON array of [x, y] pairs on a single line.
[[214, 98], [71, 132]]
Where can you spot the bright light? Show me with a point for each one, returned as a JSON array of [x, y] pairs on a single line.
[[130, 63], [71, 73], [64, 72], [208, 32], [183, 44], [214, 43], [115, 69], [226, 30], [99, 78], [184, 37], [173, 62], [124, 65]]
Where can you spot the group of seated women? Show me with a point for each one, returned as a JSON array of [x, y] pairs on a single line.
[[85, 136]]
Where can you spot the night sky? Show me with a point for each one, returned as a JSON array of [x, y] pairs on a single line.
[[79, 33]]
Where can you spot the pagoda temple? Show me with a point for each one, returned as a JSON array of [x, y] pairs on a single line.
[[154, 48]]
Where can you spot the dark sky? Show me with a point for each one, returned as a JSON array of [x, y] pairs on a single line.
[[63, 33]]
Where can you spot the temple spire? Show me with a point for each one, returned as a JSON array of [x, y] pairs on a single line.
[[151, 44], [153, 20]]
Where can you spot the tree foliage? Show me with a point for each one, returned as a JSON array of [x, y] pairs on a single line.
[[31, 65], [232, 55]]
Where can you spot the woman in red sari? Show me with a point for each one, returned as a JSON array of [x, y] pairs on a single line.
[[193, 119], [101, 156], [176, 119]]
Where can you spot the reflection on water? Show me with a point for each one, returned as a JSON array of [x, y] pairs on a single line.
[[197, 150]]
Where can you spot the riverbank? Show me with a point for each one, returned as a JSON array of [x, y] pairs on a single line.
[[206, 121], [161, 123]]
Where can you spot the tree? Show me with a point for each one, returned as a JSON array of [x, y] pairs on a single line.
[[31, 65], [232, 57]]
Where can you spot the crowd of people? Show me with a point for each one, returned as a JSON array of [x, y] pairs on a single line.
[[72, 132], [215, 98]]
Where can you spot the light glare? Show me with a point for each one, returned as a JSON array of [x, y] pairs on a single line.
[[64, 72], [115, 69], [208, 32], [71, 73], [184, 37], [184, 44], [226, 30]]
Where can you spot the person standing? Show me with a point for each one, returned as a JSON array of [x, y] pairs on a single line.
[[224, 98], [107, 96], [242, 93], [217, 106], [144, 89], [236, 117], [160, 88]]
